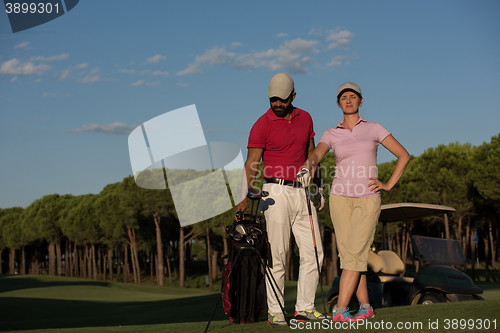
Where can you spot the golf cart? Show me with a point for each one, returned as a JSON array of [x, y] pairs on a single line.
[[440, 266]]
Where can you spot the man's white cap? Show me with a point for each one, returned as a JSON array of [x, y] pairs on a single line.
[[348, 86], [281, 86]]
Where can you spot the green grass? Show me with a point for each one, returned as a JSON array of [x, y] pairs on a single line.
[[52, 304]]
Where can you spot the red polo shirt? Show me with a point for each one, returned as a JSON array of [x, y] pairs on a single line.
[[284, 142]]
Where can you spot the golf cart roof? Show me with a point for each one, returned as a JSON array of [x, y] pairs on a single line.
[[412, 211]]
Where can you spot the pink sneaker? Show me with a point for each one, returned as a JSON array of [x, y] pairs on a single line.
[[364, 312], [343, 316]]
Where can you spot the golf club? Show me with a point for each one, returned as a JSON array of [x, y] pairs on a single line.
[[315, 248]]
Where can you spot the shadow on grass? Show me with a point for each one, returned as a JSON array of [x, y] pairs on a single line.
[[27, 312], [32, 313], [14, 282]]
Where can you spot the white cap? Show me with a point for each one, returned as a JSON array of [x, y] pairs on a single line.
[[348, 86], [281, 86]]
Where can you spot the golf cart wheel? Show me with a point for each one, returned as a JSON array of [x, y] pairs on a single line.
[[431, 298]]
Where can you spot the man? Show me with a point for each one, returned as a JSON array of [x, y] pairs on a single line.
[[283, 138]]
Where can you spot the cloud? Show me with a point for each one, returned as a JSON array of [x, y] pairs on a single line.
[[165, 73], [191, 69], [282, 34], [315, 32], [116, 128], [290, 56], [22, 45], [69, 73], [13, 79], [182, 84], [92, 76], [157, 58], [236, 44], [337, 61], [62, 56], [340, 39], [15, 67], [142, 82], [211, 57], [219, 130], [128, 71], [66, 73], [212, 130], [138, 83], [55, 95]]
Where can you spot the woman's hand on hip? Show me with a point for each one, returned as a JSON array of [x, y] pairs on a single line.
[[376, 185]]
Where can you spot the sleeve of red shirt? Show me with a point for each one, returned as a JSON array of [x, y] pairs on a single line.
[[311, 127], [257, 137]]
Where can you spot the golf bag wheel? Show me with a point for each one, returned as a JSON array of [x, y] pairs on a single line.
[[353, 303], [333, 303], [430, 298]]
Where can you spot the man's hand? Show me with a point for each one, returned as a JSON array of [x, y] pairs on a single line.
[[319, 199], [241, 207], [304, 177]]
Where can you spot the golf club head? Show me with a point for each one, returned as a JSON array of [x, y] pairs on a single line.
[[241, 229], [253, 230], [229, 229], [238, 237]]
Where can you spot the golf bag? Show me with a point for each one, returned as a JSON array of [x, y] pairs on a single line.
[[244, 298]]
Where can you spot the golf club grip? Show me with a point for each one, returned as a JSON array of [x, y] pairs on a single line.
[[308, 201], [251, 210], [256, 211]]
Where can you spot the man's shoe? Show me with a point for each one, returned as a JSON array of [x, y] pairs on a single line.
[[343, 315], [276, 319], [308, 315], [364, 312]]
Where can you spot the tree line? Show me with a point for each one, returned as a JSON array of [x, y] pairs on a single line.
[[127, 233]]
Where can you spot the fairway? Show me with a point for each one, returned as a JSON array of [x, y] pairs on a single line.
[[55, 304]]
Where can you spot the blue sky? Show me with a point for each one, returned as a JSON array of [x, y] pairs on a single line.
[[71, 90]]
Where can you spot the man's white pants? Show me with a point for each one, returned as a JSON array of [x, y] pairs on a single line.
[[285, 209]]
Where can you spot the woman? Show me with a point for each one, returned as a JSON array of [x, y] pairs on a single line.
[[355, 193]]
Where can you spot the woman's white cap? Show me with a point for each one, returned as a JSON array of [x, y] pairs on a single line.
[[350, 86]]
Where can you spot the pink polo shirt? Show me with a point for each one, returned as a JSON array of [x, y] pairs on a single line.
[[356, 157], [284, 142]]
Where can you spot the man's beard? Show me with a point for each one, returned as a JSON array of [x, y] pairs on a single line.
[[282, 111]]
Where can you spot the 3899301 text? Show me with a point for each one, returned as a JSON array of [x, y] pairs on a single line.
[[470, 324], [32, 8]]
